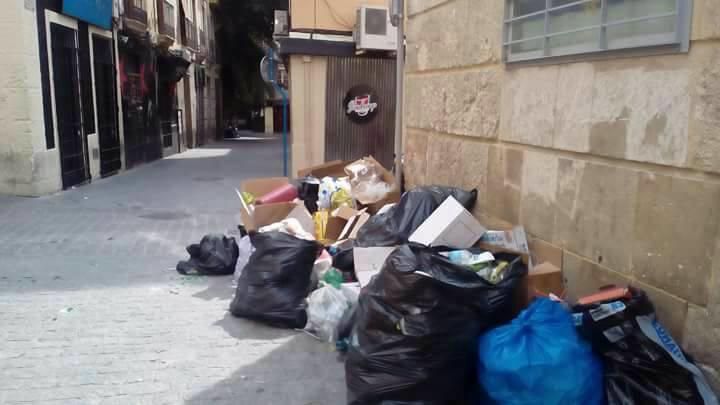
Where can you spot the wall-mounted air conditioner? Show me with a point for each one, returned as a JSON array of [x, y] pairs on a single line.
[[373, 30]]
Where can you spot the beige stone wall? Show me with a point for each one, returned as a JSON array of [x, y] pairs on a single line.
[[308, 82], [616, 161], [26, 166]]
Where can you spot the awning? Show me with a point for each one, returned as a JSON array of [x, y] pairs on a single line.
[[172, 65]]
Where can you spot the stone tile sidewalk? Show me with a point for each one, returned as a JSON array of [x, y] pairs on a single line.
[[91, 311]]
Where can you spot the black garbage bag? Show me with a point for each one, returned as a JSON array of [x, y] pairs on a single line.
[[215, 255], [416, 328], [395, 226], [643, 364], [308, 189], [344, 260], [274, 284]]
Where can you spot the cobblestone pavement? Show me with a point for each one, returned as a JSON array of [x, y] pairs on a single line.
[[92, 312]]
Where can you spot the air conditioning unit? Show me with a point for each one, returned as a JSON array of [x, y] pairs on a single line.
[[373, 30], [281, 26]]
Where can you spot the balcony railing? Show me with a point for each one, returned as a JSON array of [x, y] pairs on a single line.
[[135, 10], [166, 20], [189, 34], [203, 40]]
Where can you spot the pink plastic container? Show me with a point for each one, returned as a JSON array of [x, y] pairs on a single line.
[[285, 193]]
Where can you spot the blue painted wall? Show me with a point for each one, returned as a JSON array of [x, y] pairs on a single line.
[[96, 12]]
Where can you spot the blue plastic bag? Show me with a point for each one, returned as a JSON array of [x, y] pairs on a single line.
[[539, 359]]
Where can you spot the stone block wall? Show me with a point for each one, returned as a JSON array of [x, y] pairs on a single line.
[[26, 167], [616, 161]]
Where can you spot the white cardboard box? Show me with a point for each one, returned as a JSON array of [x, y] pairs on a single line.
[[450, 225], [369, 262]]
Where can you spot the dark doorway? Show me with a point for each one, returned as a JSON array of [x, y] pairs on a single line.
[[142, 140], [73, 147], [189, 143], [200, 91], [110, 154]]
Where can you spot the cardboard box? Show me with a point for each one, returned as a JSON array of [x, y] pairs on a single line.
[[449, 225], [507, 240], [255, 217], [344, 223], [369, 262], [335, 168], [545, 277]]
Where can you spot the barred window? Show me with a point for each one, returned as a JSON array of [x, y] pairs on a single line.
[[537, 29]]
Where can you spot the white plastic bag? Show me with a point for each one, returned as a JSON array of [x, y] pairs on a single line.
[[366, 183], [245, 248], [326, 307], [322, 265], [290, 226]]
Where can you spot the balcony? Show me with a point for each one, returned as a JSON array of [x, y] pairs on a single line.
[[166, 22], [135, 17], [189, 35], [203, 45]]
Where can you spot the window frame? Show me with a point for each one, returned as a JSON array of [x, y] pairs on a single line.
[[677, 42]]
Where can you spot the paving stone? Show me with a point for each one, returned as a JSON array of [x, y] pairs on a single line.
[[129, 340]]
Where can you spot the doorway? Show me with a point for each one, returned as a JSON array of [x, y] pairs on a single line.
[[73, 145], [189, 141], [108, 137]]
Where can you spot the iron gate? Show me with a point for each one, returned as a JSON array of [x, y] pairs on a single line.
[[73, 147], [108, 138], [347, 138]]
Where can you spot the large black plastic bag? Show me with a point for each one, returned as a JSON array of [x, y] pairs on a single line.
[[416, 327], [643, 364], [215, 255], [273, 286], [395, 226]]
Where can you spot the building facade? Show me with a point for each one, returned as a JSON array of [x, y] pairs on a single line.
[[595, 124], [89, 89], [326, 72]]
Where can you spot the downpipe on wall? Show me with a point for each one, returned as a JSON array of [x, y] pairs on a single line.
[[397, 16]]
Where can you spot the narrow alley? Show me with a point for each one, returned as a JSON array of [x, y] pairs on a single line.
[[93, 311]]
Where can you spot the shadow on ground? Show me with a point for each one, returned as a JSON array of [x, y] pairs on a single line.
[[218, 288], [302, 371]]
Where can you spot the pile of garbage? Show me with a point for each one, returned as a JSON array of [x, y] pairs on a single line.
[[429, 306]]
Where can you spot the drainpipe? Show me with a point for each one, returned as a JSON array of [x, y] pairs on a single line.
[[283, 93], [397, 10]]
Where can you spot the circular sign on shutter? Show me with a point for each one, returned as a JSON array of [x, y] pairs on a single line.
[[361, 104]]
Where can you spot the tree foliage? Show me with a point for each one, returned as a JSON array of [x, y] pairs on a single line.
[[243, 28]]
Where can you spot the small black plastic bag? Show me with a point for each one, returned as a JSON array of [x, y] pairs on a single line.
[[215, 255]]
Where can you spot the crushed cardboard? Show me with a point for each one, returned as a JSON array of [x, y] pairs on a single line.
[[344, 223]]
